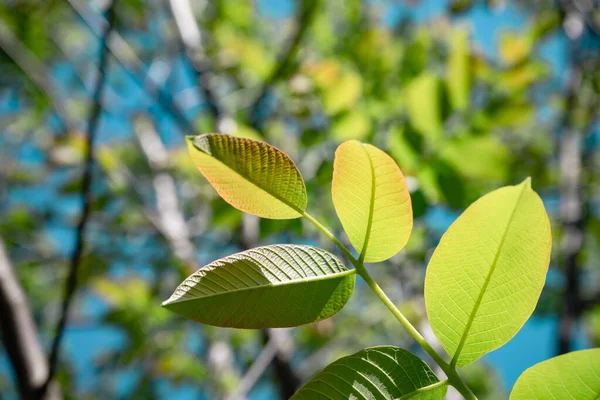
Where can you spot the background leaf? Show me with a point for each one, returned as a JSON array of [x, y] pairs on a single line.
[[486, 275], [267, 287], [372, 200], [574, 375], [252, 176], [383, 372], [459, 73], [425, 106]]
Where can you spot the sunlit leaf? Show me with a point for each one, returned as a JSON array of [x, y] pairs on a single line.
[[252, 176], [574, 375], [486, 275], [375, 373], [372, 200], [267, 287]]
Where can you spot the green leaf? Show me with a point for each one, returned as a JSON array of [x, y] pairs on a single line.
[[375, 373], [424, 105], [478, 157], [252, 176], [574, 375], [487, 273], [353, 125], [459, 74], [266, 287], [372, 200], [343, 93]]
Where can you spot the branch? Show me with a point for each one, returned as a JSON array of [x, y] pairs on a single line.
[[282, 70], [37, 73], [76, 257], [20, 335]]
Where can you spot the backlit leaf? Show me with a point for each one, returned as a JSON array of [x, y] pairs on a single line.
[[574, 375], [252, 176], [371, 200], [486, 275], [375, 373], [266, 287]]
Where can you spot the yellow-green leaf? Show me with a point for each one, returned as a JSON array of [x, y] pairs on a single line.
[[266, 287], [486, 275], [574, 375], [371, 200], [252, 176]]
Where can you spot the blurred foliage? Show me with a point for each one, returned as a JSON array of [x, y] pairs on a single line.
[[458, 119]]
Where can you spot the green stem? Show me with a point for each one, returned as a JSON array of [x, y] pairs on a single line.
[[331, 236], [453, 378], [424, 389]]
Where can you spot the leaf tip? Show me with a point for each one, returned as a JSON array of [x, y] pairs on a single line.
[[527, 182]]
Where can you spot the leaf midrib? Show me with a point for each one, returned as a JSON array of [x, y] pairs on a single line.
[[486, 282], [265, 286], [363, 252], [293, 207]]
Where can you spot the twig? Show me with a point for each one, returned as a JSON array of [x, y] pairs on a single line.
[[37, 72], [20, 335], [76, 257]]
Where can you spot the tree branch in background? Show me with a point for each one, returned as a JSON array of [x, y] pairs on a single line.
[[190, 35], [173, 227], [76, 257], [20, 335], [37, 72], [276, 340], [171, 222], [572, 205], [282, 70]]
